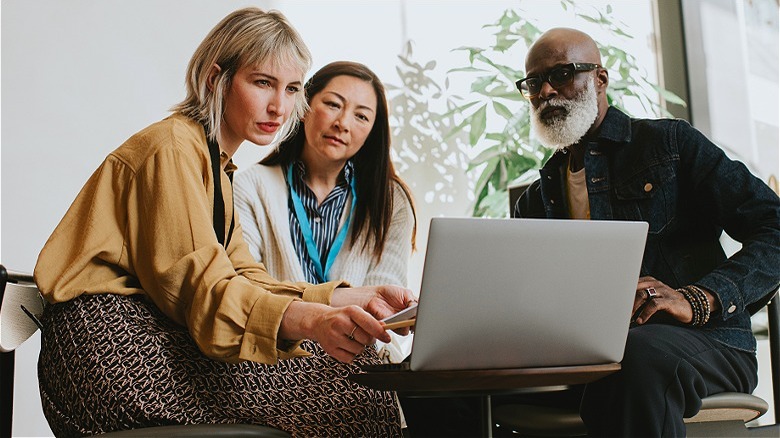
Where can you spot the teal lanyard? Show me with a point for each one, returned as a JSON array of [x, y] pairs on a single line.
[[308, 235]]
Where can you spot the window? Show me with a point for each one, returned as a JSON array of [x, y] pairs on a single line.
[[734, 78]]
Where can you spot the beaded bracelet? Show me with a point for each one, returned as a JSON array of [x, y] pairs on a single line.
[[699, 304], [705, 304], [702, 302]]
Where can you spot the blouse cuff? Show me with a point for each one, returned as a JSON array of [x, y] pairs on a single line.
[[321, 293], [259, 343]]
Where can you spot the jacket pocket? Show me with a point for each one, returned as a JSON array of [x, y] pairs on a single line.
[[649, 196]]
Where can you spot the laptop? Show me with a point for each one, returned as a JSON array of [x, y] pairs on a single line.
[[525, 293]]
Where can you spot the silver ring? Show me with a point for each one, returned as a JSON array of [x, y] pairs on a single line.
[[651, 293], [351, 335]]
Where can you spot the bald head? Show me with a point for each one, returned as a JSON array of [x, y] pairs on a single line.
[[561, 46]]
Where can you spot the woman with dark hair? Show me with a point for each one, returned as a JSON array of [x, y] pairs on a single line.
[[327, 204]]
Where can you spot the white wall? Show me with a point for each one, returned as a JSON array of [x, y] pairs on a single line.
[[80, 76]]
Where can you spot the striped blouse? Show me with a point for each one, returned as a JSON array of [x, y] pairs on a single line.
[[324, 218]]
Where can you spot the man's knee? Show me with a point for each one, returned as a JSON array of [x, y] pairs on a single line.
[[647, 357]]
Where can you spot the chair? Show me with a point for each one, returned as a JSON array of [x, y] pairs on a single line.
[[724, 414], [515, 191], [20, 306]]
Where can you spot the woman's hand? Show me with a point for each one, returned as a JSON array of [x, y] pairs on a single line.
[[342, 332], [350, 323], [379, 301]]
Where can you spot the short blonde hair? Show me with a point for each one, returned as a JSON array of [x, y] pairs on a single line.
[[248, 36]]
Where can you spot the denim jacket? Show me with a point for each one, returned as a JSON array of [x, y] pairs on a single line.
[[668, 174]]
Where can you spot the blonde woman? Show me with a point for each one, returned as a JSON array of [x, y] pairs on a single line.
[[159, 315]]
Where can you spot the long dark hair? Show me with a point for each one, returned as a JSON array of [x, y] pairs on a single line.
[[374, 170]]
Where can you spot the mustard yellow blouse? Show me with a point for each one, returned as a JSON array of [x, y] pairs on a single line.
[[143, 224]]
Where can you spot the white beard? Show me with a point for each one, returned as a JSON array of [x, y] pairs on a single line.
[[565, 130]]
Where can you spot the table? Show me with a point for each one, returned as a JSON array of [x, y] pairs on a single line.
[[482, 383]]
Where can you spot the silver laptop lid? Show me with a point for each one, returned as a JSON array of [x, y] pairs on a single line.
[[517, 293]]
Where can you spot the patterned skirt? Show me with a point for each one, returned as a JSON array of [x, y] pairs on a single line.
[[112, 362]]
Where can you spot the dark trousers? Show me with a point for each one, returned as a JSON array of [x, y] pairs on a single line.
[[430, 417], [666, 371]]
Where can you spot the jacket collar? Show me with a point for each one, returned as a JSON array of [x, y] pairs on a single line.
[[616, 126]]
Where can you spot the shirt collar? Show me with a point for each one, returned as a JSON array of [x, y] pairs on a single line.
[[226, 162], [349, 170], [346, 174]]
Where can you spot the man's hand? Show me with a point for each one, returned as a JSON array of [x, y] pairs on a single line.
[[665, 300]]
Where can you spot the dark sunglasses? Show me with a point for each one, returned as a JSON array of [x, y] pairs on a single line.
[[557, 77]]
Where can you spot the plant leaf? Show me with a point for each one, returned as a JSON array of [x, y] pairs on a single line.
[[669, 96], [502, 110], [478, 123], [459, 109], [480, 85], [466, 69], [486, 155], [485, 176]]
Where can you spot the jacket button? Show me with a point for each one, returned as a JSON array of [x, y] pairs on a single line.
[[732, 308], [648, 187], [552, 201]]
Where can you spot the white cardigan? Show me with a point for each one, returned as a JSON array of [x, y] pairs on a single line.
[[261, 194]]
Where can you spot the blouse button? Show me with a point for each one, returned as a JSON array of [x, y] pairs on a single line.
[[648, 187], [317, 219], [732, 308]]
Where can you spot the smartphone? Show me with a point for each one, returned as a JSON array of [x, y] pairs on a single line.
[[408, 313]]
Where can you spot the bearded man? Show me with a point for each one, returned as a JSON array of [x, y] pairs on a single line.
[[691, 336]]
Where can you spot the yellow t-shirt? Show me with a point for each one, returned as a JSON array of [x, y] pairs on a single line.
[[577, 191]]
